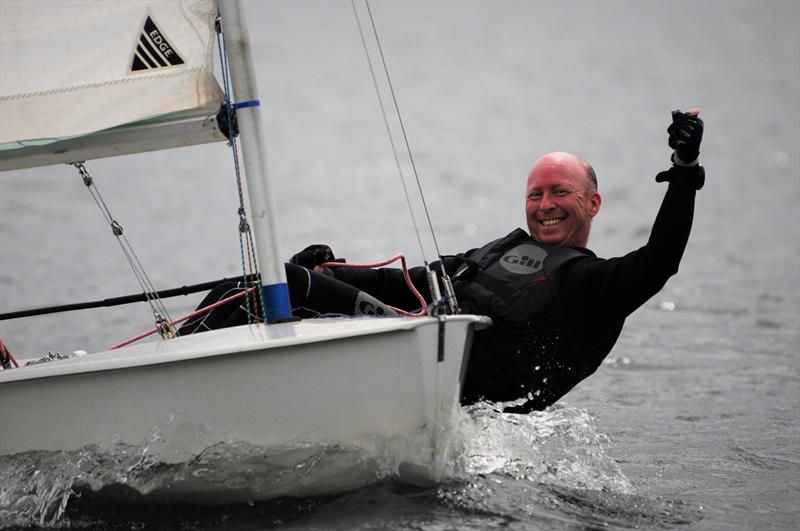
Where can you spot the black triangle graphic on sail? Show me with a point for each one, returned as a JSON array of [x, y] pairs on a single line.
[[138, 64], [153, 50]]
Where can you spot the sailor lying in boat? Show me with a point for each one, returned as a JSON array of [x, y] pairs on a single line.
[[557, 309]]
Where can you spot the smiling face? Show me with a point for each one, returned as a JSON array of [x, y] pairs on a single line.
[[561, 200]]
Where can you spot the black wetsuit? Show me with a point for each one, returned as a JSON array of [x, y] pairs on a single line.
[[541, 357], [567, 341]]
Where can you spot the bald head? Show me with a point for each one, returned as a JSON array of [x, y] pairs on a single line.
[[567, 163]]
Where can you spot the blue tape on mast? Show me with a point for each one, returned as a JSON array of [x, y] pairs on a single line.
[[276, 302], [243, 104]]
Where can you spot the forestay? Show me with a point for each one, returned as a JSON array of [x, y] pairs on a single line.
[[85, 79]]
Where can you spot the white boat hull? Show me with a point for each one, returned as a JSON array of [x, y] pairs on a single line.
[[352, 382]]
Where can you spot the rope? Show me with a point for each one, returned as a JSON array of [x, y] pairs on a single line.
[[246, 245], [406, 276], [5, 356], [184, 318], [160, 313]]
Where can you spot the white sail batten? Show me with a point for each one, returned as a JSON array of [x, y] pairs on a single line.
[[85, 79]]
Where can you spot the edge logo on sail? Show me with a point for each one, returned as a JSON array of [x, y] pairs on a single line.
[[153, 50]]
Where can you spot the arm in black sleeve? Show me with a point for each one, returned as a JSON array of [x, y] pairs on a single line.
[[388, 285], [595, 292]]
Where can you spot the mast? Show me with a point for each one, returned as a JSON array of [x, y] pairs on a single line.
[[262, 203]]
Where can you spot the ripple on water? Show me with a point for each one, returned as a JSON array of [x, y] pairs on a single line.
[[759, 459]]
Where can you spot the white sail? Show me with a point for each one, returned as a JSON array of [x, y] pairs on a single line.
[[85, 79]]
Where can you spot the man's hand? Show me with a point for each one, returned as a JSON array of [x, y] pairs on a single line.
[[314, 255], [685, 135]]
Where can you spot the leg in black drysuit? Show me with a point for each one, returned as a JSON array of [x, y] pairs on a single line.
[[311, 294]]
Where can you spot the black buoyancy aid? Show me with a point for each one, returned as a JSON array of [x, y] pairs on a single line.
[[529, 351]]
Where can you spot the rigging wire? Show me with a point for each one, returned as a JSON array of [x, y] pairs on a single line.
[[389, 132], [402, 125], [244, 225], [160, 313], [195, 313], [450, 296]]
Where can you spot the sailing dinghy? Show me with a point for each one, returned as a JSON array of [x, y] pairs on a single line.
[[143, 82]]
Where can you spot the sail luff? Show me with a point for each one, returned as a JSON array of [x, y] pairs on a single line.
[[254, 155]]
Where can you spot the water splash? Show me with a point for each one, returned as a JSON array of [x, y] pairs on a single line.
[[546, 469], [561, 446], [168, 468], [35, 488], [543, 469]]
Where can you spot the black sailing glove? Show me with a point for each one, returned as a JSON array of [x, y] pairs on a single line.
[[685, 135], [314, 255]]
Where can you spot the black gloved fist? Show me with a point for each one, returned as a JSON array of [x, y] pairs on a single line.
[[685, 135], [314, 255]]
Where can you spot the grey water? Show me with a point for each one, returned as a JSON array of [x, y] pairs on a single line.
[[692, 421]]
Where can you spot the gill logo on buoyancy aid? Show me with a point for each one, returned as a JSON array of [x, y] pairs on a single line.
[[516, 268], [523, 259]]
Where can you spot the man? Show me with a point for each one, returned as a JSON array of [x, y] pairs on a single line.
[[557, 309]]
